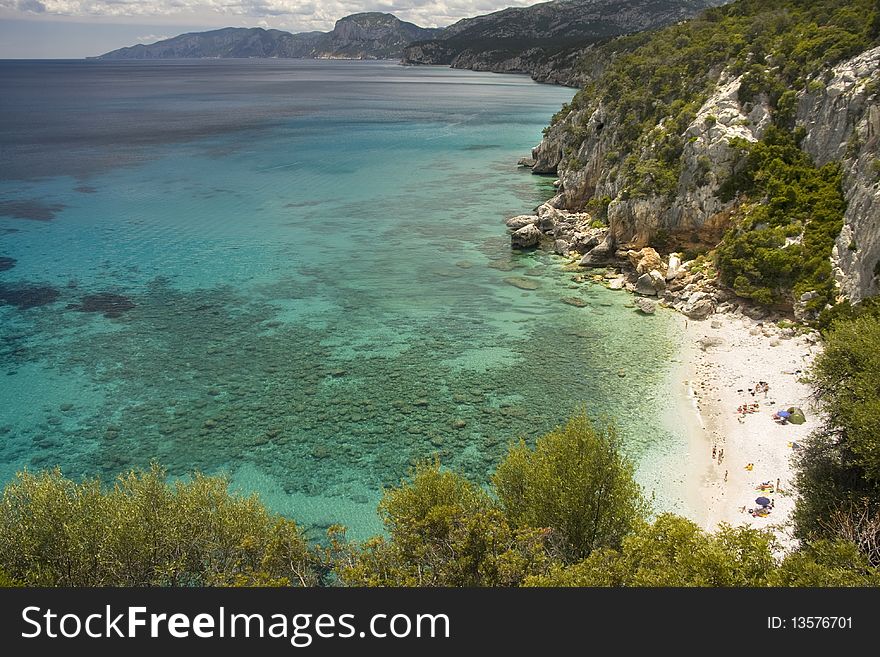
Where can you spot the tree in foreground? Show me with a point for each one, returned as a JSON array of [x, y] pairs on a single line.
[[674, 552], [577, 484], [443, 530], [146, 532], [839, 467]]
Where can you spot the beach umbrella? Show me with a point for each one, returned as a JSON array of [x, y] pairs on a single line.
[[763, 501]]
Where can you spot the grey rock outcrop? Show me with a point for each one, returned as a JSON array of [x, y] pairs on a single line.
[[526, 237], [699, 307], [842, 119], [520, 221]]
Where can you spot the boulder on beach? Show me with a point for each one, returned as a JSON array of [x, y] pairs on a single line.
[[644, 260], [598, 256], [700, 308], [584, 242], [673, 268], [645, 285]]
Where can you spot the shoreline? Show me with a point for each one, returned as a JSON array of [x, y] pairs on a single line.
[[722, 358], [727, 347]]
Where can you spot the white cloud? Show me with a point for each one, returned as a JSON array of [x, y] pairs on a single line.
[[295, 15]]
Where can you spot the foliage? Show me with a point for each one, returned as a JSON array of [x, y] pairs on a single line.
[[782, 243], [145, 532], [598, 207], [673, 551], [846, 379], [574, 482], [444, 531], [825, 564], [839, 466]]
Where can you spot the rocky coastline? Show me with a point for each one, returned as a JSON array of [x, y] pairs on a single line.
[[728, 345], [687, 286]]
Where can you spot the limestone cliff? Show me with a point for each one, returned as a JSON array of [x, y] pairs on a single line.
[[836, 111], [842, 120]]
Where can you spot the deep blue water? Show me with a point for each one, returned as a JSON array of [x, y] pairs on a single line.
[[293, 272]]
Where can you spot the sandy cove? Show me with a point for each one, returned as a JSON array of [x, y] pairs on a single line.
[[723, 357]]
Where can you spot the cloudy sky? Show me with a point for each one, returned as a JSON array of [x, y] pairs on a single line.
[[77, 28]]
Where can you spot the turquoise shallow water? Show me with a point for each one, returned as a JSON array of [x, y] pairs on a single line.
[[308, 263]]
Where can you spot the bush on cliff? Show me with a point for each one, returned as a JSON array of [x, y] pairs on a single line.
[[793, 212]]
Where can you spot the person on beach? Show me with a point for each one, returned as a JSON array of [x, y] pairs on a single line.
[[714, 449], [720, 456], [725, 476]]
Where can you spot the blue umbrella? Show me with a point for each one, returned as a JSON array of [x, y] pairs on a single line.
[[783, 413], [763, 501]]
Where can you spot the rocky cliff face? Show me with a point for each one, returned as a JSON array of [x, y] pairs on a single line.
[[840, 113], [842, 119], [369, 35], [548, 39]]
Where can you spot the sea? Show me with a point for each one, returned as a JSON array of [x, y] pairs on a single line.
[[297, 274]]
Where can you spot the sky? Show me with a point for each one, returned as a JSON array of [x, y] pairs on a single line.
[[37, 29]]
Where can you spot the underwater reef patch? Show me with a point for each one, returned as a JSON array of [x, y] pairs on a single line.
[[108, 304], [7, 263], [31, 209], [25, 295]]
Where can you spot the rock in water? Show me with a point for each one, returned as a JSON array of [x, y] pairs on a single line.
[[526, 237], [521, 221], [574, 301], [522, 283], [646, 306]]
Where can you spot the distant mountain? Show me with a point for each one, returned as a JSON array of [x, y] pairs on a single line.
[[546, 39], [370, 35]]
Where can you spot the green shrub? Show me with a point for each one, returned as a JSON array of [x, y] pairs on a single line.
[[791, 198], [146, 532]]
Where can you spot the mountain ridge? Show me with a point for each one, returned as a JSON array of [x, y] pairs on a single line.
[[366, 35], [546, 40]]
